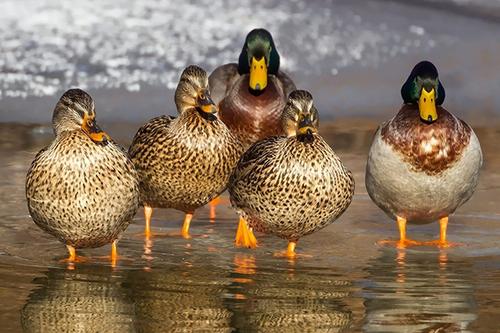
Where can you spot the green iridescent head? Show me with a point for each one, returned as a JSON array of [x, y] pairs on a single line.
[[259, 58], [424, 89]]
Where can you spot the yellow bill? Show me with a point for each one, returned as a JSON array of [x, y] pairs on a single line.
[[427, 105], [258, 74]]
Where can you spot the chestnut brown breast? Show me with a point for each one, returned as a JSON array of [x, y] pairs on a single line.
[[253, 117], [428, 147]]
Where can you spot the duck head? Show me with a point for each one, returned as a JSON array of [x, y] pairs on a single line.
[[259, 58], [424, 89], [76, 110], [300, 116], [193, 92]]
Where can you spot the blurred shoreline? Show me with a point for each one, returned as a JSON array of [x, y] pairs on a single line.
[[352, 56]]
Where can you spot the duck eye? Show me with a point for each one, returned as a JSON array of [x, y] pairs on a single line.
[[202, 96]]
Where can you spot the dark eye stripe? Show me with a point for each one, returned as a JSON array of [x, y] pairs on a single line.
[[80, 112]]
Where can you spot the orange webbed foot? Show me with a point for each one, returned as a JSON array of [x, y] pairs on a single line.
[[442, 244], [245, 236], [113, 258], [400, 244], [290, 253], [75, 259]]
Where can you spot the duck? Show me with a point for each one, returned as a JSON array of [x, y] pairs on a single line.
[[184, 162], [290, 185], [82, 188], [252, 93], [425, 162]]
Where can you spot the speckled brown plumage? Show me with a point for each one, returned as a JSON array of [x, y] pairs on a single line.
[[82, 192], [291, 186], [184, 162], [431, 148], [250, 116]]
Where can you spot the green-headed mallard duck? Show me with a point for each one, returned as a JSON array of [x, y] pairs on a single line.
[[290, 185], [252, 93], [423, 163], [184, 162], [82, 188]]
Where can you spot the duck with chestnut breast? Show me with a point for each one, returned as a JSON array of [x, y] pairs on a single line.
[[184, 162], [82, 188], [251, 94], [424, 163], [291, 185]]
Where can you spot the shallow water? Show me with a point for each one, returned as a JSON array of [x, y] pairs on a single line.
[[346, 283]]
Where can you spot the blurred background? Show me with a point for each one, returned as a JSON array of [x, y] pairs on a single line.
[[353, 56]]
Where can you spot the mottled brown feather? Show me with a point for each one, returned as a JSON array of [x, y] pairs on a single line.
[[290, 188], [428, 147], [184, 162], [83, 193]]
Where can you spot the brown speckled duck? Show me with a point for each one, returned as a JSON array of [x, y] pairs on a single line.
[[423, 163], [184, 162], [82, 188], [252, 93], [292, 185]]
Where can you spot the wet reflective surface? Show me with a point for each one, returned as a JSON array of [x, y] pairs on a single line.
[[347, 283]]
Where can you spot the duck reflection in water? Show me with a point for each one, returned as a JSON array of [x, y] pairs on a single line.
[[184, 297], [418, 292], [285, 297], [85, 299]]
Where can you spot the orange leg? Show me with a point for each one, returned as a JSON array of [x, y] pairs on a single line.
[[442, 242], [443, 225], [114, 253], [213, 205], [185, 225], [148, 212], [403, 241], [245, 236], [290, 252], [402, 228], [72, 256], [72, 253]]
